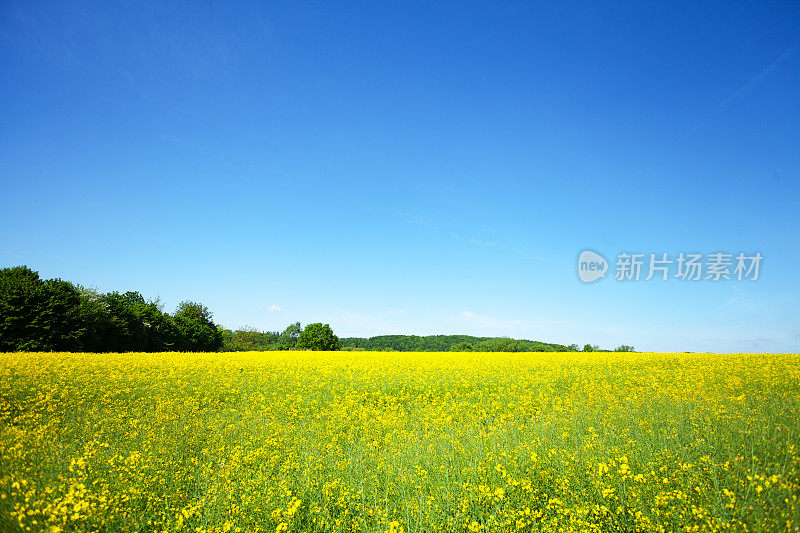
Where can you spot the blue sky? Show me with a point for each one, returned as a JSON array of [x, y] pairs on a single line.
[[415, 168]]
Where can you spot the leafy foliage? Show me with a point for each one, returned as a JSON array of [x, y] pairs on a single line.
[[195, 323], [289, 337], [38, 315], [248, 339], [56, 315], [318, 336], [446, 343], [461, 347]]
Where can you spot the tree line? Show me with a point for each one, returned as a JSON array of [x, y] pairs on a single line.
[[316, 336], [445, 343], [247, 339], [56, 315]]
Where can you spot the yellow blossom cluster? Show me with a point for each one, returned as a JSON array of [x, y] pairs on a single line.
[[399, 442]]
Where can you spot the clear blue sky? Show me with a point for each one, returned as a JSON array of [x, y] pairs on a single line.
[[413, 168]]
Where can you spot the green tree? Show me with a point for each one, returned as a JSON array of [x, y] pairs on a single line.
[[249, 339], [624, 348], [55, 315], [318, 336], [126, 322], [161, 332], [289, 336], [199, 333], [127, 331], [461, 347], [39, 315], [63, 325], [96, 319], [499, 344], [588, 348], [23, 298]]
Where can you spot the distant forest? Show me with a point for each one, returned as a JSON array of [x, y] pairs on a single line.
[[450, 343], [249, 339], [55, 315]]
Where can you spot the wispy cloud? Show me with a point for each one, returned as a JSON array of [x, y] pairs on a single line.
[[273, 308], [478, 320], [423, 221], [26, 255], [744, 89], [753, 339], [473, 240], [415, 219], [733, 299], [366, 323], [753, 82], [479, 242], [173, 139], [496, 244]]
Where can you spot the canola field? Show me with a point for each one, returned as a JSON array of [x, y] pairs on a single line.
[[391, 442]]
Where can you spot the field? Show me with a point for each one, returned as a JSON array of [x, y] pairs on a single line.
[[366, 441]]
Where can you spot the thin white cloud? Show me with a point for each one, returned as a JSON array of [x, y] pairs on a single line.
[[750, 84], [273, 308], [741, 91], [473, 240], [415, 219], [482, 243], [475, 319], [496, 244]]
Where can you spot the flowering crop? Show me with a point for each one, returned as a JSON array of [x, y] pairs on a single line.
[[391, 442]]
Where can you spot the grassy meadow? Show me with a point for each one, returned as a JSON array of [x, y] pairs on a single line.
[[413, 442]]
